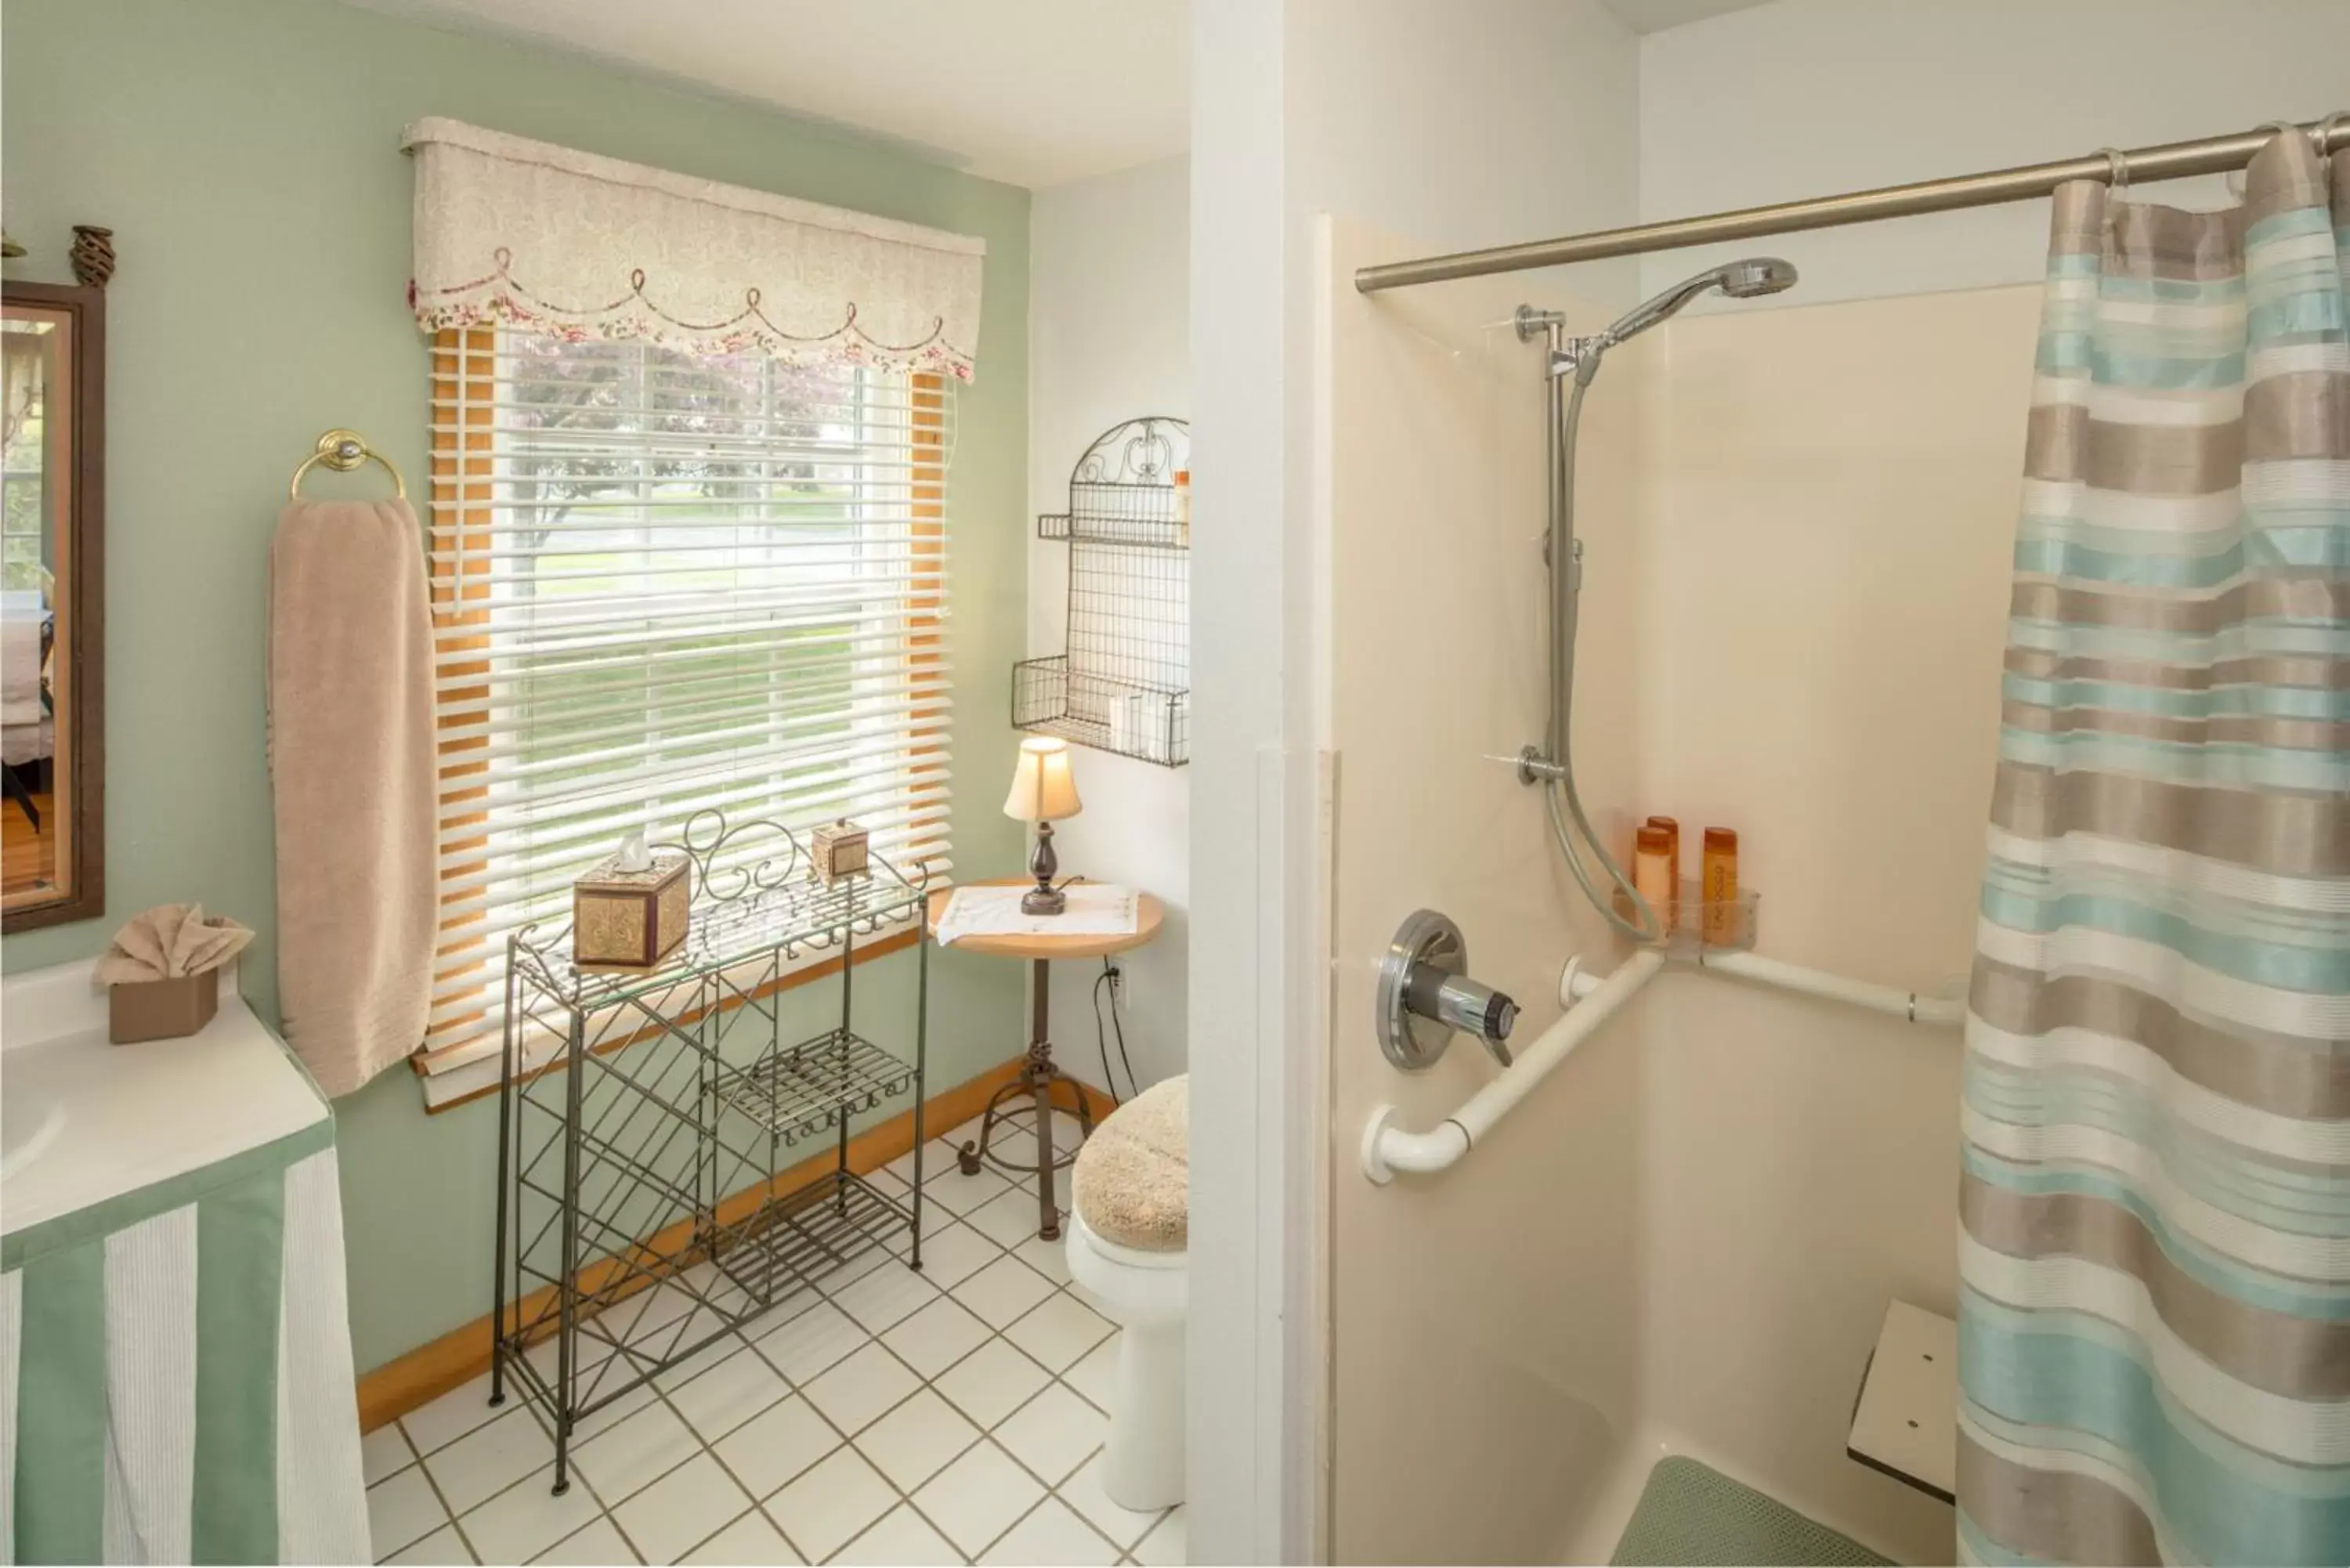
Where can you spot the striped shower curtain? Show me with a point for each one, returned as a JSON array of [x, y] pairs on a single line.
[[2154, 1238]]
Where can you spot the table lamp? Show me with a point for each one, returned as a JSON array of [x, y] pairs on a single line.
[[1044, 791]]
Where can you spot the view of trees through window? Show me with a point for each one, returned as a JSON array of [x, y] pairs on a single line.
[[700, 577]]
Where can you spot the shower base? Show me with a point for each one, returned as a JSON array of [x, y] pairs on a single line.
[[1690, 1514]]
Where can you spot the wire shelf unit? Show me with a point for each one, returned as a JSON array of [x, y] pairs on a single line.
[[641, 1213], [1124, 683]]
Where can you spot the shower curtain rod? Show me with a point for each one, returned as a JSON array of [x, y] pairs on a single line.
[[2172, 161]]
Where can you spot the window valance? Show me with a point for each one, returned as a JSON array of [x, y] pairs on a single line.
[[523, 232]]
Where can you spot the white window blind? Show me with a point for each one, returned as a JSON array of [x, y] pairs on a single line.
[[661, 583]]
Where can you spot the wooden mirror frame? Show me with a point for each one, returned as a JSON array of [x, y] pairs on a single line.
[[84, 740]]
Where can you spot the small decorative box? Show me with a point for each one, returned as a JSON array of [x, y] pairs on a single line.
[[629, 919], [839, 850], [140, 1010]]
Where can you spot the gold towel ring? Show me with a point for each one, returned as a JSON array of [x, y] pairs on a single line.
[[344, 451]]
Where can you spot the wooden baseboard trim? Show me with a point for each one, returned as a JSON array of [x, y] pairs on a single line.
[[430, 1370]]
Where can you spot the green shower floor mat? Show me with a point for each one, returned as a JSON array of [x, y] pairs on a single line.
[[1690, 1515]]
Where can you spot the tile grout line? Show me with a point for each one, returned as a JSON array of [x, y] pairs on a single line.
[[821, 1292], [923, 1383]]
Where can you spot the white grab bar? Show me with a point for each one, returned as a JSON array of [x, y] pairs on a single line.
[[1591, 1000], [1916, 1006], [1387, 1148]]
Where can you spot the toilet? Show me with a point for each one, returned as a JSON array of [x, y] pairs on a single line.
[[1132, 1194]]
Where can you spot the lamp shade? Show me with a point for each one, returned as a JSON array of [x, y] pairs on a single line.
[[1043, 787]]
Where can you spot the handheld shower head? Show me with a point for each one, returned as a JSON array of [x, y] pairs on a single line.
[[1745, 279], [1757, 275]]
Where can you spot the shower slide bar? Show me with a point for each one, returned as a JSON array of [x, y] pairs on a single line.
[[1591, 1000]]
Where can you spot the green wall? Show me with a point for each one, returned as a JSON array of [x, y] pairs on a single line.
[[245, 153]]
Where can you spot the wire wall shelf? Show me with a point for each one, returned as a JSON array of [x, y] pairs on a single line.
[[1149, 723], [642, 1211], [1124, 684]]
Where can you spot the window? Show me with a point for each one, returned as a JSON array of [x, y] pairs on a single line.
[[24, 438], [665, 582]]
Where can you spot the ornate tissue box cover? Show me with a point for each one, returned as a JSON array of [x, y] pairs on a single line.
[[629, 919], [839, 850]]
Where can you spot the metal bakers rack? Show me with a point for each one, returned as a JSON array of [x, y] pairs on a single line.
[[649, 1121], [1124, 684]]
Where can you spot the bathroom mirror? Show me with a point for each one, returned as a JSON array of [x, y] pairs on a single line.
[[52, 599]]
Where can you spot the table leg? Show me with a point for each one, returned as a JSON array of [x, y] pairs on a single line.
[[1040, 1069]]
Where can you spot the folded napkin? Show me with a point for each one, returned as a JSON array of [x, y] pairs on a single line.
[[168, 942]]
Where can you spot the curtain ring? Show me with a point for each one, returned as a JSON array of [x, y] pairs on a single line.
[[2324, 131], [2117, 171]]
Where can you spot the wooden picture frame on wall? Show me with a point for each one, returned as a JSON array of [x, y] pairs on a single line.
[[79, 653]]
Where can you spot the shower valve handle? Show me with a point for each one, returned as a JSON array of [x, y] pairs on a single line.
[[1426, 996], [1470, 1006]]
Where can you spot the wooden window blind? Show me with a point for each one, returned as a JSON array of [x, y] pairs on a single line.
[[664, 582]]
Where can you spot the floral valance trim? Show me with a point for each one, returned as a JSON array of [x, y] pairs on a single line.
[[570, 243]]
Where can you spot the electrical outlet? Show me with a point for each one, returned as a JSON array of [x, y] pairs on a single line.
[[1116, 980]]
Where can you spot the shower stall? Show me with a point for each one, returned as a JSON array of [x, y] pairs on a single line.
[[1760, 578], [1667, 1248]]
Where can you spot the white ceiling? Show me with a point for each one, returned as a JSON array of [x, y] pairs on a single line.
[[1656, 15], [1033, 93]]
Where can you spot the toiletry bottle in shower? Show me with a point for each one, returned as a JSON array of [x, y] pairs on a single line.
[[1652, 873], [1719, 882], [1672, 866]]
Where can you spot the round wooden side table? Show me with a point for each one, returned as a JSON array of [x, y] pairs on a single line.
[[1037, 1072]]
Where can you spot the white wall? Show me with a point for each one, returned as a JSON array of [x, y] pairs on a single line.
[[1444, 127], [1812, 97], [1109, 340], [1494, 1315], [1827, 496]]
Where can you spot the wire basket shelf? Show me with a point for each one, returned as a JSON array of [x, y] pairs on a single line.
[[1124, 683], [829, 1223], [1140, 516], [1150, 722], [810, 1087]]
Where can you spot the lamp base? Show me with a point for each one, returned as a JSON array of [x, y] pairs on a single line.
[[1043, 899]]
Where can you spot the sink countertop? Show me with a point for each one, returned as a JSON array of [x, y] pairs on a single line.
[[134, 1115]]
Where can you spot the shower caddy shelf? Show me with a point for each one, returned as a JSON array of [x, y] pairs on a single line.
[[1124, 683], [641, 1213], [1732, 918]]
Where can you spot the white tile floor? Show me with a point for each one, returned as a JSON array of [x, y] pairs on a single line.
[[952, 1415]]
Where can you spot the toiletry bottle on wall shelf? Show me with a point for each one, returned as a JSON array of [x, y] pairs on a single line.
[[1652, 872], [1710, 909], [1718, 882], [1672, 860]]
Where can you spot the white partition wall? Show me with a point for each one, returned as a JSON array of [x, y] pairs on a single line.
[[1459, 125], [1486, 1323], [1108, 341]]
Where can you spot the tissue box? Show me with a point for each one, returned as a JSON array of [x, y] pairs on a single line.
[[629, 919], [839, 850], [140, 1010]]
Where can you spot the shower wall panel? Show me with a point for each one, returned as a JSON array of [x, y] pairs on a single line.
[[1828, 497], [1486, 1323]]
